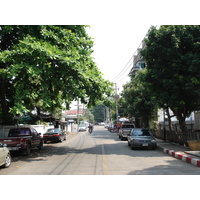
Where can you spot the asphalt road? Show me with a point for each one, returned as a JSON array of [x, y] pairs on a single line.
[[101, 153]]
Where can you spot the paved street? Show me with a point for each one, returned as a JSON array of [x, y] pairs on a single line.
[[101, 153]]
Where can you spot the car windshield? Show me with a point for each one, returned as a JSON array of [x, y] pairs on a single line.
[[128, 126], [53, 130], [19, 132], [82, 125], [142, 132]]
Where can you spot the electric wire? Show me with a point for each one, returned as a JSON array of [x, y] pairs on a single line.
[[120, 75], [120, 78], [122, 71], [127, 66]]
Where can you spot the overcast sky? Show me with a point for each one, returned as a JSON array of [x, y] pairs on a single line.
[[114, 47], [117, 26]]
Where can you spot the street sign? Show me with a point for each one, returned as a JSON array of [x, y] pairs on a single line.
[[116, 97]]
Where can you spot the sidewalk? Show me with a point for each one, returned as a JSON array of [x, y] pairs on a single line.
[[180, 152]]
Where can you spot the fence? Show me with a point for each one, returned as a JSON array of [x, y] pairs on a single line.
[[176, 135]]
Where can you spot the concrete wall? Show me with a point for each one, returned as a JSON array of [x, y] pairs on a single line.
[[197, 120], [39, 128], [71, 128]]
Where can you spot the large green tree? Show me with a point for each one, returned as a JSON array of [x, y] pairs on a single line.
[[139, 101], [99, 112], [44, 67], [88, 116], [172, 55]]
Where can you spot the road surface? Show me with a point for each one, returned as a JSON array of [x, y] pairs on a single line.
[[99, 153]]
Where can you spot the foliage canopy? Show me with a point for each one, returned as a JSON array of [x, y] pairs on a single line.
[[172, 55], [45, 67], [139, 101]]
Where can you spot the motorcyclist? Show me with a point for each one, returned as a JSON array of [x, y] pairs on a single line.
[[90, 127]]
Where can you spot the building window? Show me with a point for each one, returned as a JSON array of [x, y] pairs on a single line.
[[142, 65]]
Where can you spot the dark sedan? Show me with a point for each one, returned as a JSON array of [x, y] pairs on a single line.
[[54, 135], [141, 137]]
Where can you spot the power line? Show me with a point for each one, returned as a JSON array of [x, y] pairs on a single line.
[[122, 78], [119, 75], [116, 79], [128, 68], [122, 71]]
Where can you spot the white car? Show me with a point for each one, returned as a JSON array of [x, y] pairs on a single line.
[[82, 127], [5, 158]]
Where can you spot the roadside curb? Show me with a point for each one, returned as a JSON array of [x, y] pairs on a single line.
[[189, 159]]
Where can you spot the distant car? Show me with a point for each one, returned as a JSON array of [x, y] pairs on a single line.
[[141, 137], [82, 127], [106, 125], [124, 130], [54, 135], [5, 158], [102, 124]]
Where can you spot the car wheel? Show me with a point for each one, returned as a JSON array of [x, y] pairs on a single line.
[[27, 151], [129, 143], [7, 161], [40, 145], [132, 147]]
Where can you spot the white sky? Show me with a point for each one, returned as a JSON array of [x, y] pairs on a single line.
[[117, 26], [114, 46]]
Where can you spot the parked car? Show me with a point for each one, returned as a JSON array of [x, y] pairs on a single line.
[[124, 130], [23, 139], [141, 137], [54, 135], [5, 158], [82, 127], [101, 123], [106, 125]]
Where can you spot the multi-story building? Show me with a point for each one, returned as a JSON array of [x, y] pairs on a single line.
[[138, 60], [139, 64]]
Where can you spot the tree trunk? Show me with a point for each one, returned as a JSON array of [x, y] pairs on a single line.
[[181, 118], [4, 109], [169, 119], [182, 124], [183, 128]]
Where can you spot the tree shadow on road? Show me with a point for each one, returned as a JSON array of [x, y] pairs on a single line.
[[104, 146]]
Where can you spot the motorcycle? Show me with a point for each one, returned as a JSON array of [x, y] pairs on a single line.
[[114, 130], [90, 129]]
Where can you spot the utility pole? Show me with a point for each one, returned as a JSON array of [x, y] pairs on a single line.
[[77, 115], [164, 129], [78, 111], [116, 98]]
